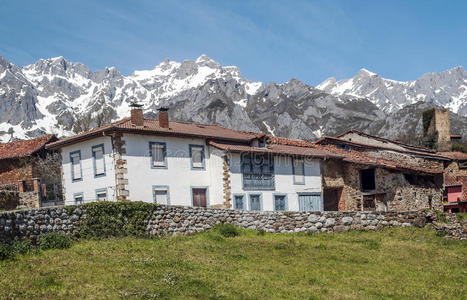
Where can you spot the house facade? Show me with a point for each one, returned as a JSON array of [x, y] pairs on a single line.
[[189, 164]]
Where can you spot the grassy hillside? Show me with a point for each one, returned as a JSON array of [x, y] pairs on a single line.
[[395, 263]]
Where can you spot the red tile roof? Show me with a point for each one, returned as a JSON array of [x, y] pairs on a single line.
[[335, 140], [451, 180], [24, 148], [412, 147], [454, 155], [312, 152], [151, 126], [358, 157]]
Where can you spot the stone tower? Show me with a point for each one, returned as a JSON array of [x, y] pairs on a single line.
[[441, 125]]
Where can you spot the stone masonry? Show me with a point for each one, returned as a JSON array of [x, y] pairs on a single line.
[[177, 220], [118, 145]]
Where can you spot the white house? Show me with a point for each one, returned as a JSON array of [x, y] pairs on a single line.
[[177, 163]]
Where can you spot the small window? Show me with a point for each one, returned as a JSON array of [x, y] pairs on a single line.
[[368, 179], [101, 195], [158, 153], [76, 172], [280, 202], [79, 199], [98, 157], [161, 195], [239, 202], [298, 171], [255, 202], [197, 156]]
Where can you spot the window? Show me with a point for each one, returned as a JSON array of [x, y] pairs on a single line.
[[197, 156], [161, 195], [258, 171], [310, 202], [239, 202], [255, 202], [344, 147], [367, 178], [158, 154], [79, 198], [298, 171], [101, 195], [76, 172], [280, 202], [98, 160]]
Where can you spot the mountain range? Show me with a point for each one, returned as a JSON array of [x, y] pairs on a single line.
[[57, 96]]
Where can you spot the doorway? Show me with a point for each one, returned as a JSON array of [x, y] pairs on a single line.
[[331, 199]]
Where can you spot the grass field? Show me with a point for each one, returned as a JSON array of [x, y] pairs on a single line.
[[401, 263]]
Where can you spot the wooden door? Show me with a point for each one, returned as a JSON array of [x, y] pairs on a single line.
[[199, 197], [331, 199]]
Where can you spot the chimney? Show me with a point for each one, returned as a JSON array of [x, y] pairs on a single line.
[[163, 117], [137, 118]]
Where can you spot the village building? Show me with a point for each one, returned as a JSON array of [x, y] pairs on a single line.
[[179, 163], [23, 182], [381, 174]]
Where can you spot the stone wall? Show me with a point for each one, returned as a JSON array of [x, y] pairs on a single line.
[[12, 170], [171, 220]]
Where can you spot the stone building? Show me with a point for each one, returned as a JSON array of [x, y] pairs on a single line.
[[381, 174], [21, 172], [437, 125]]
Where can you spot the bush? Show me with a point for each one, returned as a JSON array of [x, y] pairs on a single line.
[[114, 219], [226, 229], [6, 252], [22, 246], [55, 240]]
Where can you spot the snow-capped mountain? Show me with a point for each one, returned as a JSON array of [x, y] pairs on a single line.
[[57, 96], [447, 89]]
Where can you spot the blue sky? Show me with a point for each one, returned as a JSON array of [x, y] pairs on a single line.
[[268, 40]]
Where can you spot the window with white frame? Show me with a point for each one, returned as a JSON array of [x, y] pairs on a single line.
[[79, 198], [161, 195], [257, 171], [98, 157], [255, 202], [197, 156], [101, 195], [239, 202], [298, 171], [76, 172], [279, 202], [158, 152]]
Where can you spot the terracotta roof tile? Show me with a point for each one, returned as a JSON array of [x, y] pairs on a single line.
[[318, 152], [454, 155], [151, 126], [332, 139], [24, 148], [451, 180]]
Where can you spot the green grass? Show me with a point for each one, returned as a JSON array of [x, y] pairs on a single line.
[[398, 263]]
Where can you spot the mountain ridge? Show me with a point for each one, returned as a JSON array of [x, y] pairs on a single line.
[[54, 96]]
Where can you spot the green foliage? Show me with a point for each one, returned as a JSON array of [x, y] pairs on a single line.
[[6, 252], [440, 217], [226, 229], [430, 141], [113, 219], [459, 147], [54, 240], [427, 116], [22, 246]]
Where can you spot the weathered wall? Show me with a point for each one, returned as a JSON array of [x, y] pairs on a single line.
[[441, 124], [393, 191], [12, 170], [170, 220], [453, 168]]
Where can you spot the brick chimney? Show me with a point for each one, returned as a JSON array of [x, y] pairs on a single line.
[[163, 117], [137, 118]]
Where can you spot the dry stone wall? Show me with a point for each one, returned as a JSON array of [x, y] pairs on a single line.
[[173, 220]]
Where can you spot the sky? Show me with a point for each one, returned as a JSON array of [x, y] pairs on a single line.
[[268, 40]]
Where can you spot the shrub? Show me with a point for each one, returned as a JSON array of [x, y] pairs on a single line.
[[22, 246], [54, 240], [6, 252], [226, 229], [113, 219]]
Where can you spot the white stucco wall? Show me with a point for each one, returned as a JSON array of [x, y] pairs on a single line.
[[178, 176], [89, 184], [284, 183]]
